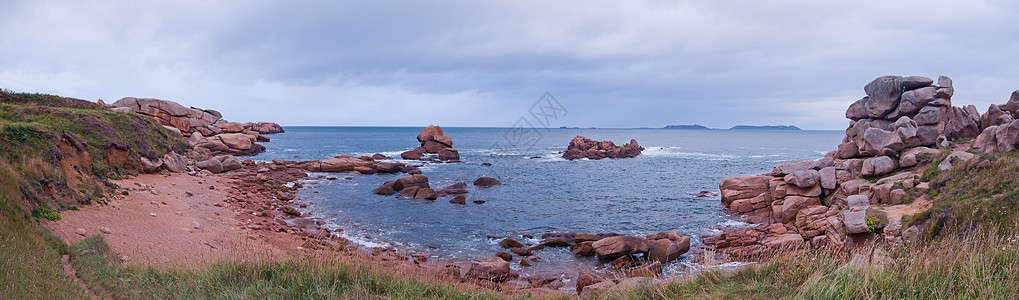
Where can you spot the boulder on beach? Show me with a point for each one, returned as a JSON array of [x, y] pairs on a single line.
[[617, 246], [493, 268], [150, 166], [583, 248], [174, 162], [585, 279], [667, 246], [212, 164], [229, 162]]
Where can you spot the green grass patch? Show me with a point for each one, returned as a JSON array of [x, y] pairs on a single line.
[[30, 259], [300, 278]]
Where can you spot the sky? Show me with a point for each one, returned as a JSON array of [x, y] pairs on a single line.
[[615, 64]]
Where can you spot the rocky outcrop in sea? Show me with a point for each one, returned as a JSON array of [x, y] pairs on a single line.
[[433, 142], [582, 147]]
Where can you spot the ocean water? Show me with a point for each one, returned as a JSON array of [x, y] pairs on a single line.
[[541, 192]]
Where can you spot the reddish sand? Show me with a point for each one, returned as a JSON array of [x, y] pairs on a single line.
[[170, 238]]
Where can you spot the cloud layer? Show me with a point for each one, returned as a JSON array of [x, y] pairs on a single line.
[[472, 63]]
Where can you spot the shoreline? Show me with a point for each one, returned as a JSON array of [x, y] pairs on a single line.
[[241, 216]]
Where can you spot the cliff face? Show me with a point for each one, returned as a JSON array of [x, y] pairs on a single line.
[[899, 125]]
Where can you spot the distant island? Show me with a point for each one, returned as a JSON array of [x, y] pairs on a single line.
[[737, 127], [766, 127], [688, 127]]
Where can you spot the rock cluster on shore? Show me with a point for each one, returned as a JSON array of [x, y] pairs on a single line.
[[203, 128], [899, 124], [629, 256], [582, 147], [433, 142]]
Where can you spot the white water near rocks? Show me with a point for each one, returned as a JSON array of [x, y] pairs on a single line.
[[542, 192]]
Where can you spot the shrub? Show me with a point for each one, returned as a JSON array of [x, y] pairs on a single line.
[[45, 213]]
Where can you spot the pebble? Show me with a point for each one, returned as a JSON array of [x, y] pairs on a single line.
[[152, 214], [195, 225], [104, 230], [80, 231]]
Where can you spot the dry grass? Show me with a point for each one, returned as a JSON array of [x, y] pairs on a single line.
[[304, 277], [982, 265]]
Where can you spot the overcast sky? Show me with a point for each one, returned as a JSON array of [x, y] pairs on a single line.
[[474, 63]]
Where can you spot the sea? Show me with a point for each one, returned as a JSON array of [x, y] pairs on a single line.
[[541, 191]]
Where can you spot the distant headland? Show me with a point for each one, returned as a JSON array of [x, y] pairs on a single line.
[[737, 127]]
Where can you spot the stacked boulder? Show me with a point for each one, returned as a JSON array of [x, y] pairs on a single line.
[[895, 126], [905, 112], [582, 147], [433, 142], [204, 128], [1000, 127]]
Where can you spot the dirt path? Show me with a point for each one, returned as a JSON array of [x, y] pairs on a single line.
[[175, 220], [65, 261]]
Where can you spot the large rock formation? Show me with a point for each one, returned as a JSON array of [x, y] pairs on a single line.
[[905, 112], [999, 127], [582, 147], [433, 142], [818, 203], [204, 128]]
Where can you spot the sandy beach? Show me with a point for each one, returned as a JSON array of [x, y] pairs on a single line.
[[173, 220]]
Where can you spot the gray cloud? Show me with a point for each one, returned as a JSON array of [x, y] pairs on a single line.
[[614, 64]]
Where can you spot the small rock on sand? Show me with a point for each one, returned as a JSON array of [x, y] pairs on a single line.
[[80, 231], [152, 214], [196, 225], [104, 230]]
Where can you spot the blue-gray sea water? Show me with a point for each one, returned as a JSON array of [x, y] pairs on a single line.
[[650, 193]]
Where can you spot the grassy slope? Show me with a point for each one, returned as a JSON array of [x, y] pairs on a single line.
[[30, 128], [31, 185]]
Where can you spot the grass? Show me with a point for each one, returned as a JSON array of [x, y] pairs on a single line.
[[969, 197], [296, 278], [30, 263], [980, 266]]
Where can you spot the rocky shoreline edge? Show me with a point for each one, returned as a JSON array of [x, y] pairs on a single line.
[[263, 194], [857, 202]]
